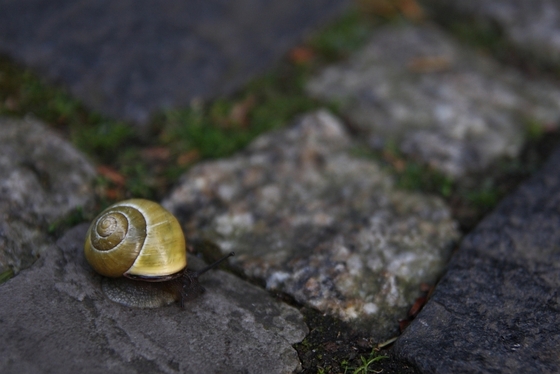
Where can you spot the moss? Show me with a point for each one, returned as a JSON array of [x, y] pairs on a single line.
[[477, 194], [102, 138], [344, 36], [409, 174], [6, 275], [332, 346], [22, 93], [534, 130]]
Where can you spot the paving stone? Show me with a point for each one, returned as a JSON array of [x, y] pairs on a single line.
[[128, 58], [533, 26], [43, 179], [307, 218], [55, 318], [497, 309], [436, 100]]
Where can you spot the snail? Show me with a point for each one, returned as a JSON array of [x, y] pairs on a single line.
[[140, 247]]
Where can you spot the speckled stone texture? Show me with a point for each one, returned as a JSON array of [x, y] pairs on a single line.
[[497, 309], [42, 180], [307, 218], [129, 58], [55, 318], [437, 100], [533, 26]]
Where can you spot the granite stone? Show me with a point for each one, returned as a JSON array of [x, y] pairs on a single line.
[[436, 100], [43, 179], [497, 309], [55, 318], [307, 217]]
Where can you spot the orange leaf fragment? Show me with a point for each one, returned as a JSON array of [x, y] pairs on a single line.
[[301, 55], [417, 306], [239, 113], [113, 194], [411, 9], [429, 64], [111, 174], [156, 153], [188, 157], [403, 324]]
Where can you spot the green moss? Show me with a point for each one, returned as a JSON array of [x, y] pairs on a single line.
[[366, 362], [416, 176], [479, 35], [194, 129], [534, 130], [332, 346], [409, 175], [102, 139], [344, 36], [23, 93], [6, 275], [220, 128]]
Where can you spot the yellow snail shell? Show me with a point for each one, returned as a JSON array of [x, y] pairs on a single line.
[[136, 237]]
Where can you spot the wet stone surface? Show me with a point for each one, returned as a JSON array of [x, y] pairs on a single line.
[[55, 318], [43, 179], [532, 26], [497, 309], [438, 101], [307, 218], [128, 59]]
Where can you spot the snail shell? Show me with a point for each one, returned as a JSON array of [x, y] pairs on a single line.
[[137, 239]]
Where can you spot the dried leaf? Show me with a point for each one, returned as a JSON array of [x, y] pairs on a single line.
[[11, 103], [398, 163], [429, 64], [156, 154], [239, 113], [411, 10], [417, 306], [188, 157], [301, 55], [111, 174], [403, 324], [113, 193]]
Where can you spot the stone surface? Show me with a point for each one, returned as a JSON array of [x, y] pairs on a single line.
[[497, 309], [129, 58], [42, 180], [309, 219], [439, 102], [55, 318], [533, 26]]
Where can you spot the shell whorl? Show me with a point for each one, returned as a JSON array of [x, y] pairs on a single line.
[[136, 237], [110, 230]]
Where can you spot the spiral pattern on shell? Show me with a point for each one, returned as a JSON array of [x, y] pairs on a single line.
[[136, 237]]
